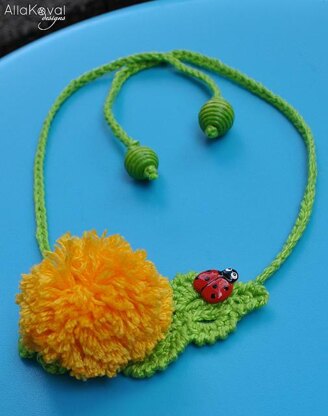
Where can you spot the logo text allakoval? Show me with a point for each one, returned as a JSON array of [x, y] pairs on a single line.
[[48, 15]]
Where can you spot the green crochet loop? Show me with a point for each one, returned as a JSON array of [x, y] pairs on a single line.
[[216, 117], [148, 61], [141, 162], [185, 62]]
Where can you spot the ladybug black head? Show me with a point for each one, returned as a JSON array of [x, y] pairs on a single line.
[[230, 274]]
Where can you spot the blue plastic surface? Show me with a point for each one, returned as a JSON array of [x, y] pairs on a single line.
[[231, 202]]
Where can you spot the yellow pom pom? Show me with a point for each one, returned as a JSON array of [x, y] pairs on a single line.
[[93, 305]]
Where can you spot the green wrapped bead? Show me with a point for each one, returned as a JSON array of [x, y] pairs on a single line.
[[141, 163], [216, 117]]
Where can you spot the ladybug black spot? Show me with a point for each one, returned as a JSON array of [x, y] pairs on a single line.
[[207, 278], [213, 295], [215, 286], [226, 288]]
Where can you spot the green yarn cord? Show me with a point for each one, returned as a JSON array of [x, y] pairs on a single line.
[[132, 68], [140, 162], [181, 61]]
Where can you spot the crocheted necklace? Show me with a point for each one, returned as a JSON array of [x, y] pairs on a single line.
[[95, 307]]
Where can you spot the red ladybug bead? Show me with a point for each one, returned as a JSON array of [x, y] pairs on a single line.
[[215, 286]]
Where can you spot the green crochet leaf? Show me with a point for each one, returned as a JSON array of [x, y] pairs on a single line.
[[196, 321], [24, 352], [52, 368]]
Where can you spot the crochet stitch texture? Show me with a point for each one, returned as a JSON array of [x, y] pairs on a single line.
[[193, 320]]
